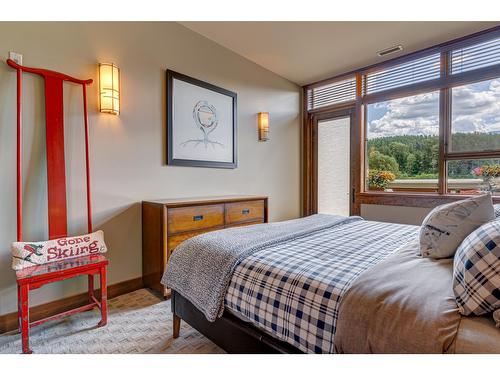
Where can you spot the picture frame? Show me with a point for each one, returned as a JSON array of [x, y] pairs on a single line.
[[201, 123]]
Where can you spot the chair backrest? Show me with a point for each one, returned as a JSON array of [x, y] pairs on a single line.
[[56, 167]]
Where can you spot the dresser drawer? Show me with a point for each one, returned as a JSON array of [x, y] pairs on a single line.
[[174, 240], [244, 211], [245, 223], [185, 219]]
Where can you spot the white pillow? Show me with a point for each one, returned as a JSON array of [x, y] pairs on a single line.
[[27, 254], [446, 226], [496, 207]]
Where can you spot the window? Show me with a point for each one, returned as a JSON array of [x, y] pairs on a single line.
[[428, 125], [475, 130], [458, 108], [475, 124], [337, 92], [475, 57], [469, 176], [409, 73], [403, 139]]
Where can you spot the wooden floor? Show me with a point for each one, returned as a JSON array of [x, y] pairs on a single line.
[[138, 322]]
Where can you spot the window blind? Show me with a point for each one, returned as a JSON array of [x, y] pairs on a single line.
[[408, 73], [476, 56], [332, 93]]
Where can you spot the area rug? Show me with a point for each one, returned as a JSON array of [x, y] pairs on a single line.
[[138, 322]]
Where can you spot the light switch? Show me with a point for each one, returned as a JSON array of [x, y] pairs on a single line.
[[17, 57]]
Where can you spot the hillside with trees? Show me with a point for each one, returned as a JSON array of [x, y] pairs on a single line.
[[416, 157]]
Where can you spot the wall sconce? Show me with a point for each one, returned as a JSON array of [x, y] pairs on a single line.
[[263, 123], [109, 88]]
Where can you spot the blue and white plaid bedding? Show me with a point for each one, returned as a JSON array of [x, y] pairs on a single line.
[[293, 290]]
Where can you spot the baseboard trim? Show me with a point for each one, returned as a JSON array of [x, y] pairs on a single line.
[[8, 322]]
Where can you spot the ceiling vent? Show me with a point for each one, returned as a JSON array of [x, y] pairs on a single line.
[[390, 50]]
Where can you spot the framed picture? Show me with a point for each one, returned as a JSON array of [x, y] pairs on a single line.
[[201, 123]]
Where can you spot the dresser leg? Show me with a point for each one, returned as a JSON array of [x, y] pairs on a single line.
[[176, 326]]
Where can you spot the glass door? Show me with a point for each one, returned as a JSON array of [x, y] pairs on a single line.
[[333, 166]]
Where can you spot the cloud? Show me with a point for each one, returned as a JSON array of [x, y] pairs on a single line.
[[476, 108], [414, 115]]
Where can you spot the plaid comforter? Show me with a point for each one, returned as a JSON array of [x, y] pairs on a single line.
[[293, 290]]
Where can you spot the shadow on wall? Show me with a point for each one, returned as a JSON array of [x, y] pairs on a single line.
[[122, 233], [123, 236]]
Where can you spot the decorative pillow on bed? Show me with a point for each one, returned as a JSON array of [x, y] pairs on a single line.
[[446, 226], [496, 208], [476, 271], [27, 254]]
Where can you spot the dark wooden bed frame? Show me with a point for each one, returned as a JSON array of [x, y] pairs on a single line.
[[228, 332]]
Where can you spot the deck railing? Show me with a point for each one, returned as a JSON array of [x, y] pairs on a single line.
[[431, 185]]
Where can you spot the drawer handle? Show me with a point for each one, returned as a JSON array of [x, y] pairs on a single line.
[[245, 211], [197, 217]]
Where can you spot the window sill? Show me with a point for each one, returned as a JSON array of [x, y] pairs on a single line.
[[413, 199]]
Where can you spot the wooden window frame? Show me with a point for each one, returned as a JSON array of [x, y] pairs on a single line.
[[444, 84], [310, 202]]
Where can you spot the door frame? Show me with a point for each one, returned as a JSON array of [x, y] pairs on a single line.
[[310, 162]]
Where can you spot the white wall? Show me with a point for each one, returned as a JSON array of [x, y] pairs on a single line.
[[128, 151]]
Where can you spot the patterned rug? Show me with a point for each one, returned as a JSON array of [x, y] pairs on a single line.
[[138, 322]]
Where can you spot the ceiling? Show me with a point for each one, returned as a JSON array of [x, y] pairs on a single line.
[[305, 52]]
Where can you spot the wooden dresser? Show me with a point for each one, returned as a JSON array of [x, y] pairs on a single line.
[[166, 223]]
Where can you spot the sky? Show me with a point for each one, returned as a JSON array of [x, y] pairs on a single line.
[[475, 108]]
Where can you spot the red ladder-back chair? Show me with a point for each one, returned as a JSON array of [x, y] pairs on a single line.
[[36, 276]]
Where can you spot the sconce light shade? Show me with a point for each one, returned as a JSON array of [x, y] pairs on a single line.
[[263, 123], [109, 88]]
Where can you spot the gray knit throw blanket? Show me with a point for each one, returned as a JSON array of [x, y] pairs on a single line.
[[201, 267]]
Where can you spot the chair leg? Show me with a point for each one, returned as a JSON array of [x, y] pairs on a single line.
[[23, 300], [104, 299], [91, 287], [176, 326], [19, 315]]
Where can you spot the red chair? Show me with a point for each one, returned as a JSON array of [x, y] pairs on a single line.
[[36, 276]]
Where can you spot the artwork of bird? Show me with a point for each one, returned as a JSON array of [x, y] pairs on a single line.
[[32, 249]]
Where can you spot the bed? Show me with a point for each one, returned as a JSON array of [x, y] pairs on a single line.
[[322, 284]]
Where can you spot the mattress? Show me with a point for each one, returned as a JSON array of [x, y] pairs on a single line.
[[293, 290]]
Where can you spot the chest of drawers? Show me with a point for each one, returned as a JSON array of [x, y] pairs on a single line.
[[166, 223]]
